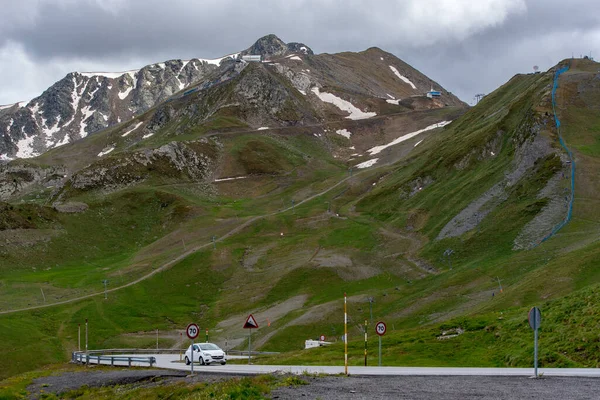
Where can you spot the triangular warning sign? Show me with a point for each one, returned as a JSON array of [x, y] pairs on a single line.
[[250, 323]]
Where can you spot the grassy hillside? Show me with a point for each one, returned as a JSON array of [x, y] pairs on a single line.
[[296, 231]]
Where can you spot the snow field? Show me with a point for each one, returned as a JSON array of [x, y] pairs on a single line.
[[378, 149], [343, 105], [402, 77]]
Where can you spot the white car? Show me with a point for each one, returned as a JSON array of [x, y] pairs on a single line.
[[205, 353]]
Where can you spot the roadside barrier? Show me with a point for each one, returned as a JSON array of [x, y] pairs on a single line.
[[90, 358]]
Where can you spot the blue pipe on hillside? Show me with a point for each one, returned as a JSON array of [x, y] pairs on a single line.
[[569, 153]]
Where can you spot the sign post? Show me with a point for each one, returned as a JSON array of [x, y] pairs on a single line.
[[250, 324], [192, 332], [365, 342], [345, 336], [380, 329], [535, 320]]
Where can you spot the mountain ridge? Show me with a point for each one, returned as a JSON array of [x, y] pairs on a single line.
[[81, 104]]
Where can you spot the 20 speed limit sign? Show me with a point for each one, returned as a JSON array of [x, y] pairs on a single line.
[[192, 331], [380, 328]]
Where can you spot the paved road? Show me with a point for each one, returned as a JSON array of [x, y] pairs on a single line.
[[169, 361]]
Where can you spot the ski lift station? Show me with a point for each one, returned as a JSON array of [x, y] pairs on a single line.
[[252, 58], [433, 93]]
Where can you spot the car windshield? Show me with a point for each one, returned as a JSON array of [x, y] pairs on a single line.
[[209, 346]]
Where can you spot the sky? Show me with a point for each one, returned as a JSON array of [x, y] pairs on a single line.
[[468, 46]]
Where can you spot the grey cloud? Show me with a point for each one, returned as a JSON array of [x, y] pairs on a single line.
[[467, 48]]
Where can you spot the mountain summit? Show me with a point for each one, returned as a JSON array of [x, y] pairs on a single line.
[[271, 46]]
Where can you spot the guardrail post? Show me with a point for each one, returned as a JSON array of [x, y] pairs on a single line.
[[87, 359], [152, 360], [129, 358], [112, 361]]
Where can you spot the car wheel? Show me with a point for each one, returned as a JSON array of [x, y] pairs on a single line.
[[187, 361], [223, 362], [202, 361]]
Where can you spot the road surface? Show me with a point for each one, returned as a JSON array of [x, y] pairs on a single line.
[[171, 361]]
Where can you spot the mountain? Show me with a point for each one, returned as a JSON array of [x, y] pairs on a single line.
[[373, 91], [84, 103]]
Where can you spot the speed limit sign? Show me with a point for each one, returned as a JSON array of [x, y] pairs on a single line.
[[380, 328], [192, 331]]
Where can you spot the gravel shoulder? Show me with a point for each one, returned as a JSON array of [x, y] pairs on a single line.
[[440, 387]]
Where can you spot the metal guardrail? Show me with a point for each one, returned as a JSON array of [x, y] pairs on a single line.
[[82, 357]]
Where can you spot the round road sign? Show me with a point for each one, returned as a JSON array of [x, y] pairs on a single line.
[[192, 331], [322, 338], [535, 318], [380, 328]]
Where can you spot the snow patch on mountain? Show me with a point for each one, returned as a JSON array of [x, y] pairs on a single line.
[[86, 112], [402, 77], [109, 75], [124, 94], [106, 151], [344, 132], [343, 105], [132, 129], [25, 147], [378, 149], [367, 164], [396, 102]]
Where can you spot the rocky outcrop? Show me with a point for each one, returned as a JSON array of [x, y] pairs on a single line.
[[19, 179], [183, 161]]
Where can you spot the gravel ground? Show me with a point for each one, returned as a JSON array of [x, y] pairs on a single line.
[[441, 387], [339, 387], [73, 380]]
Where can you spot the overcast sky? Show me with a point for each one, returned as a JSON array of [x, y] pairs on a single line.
[[468, 46]]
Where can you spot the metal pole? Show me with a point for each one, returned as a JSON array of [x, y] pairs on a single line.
[[192, 363], [249, 344], [345, 336], [380, 351], [535, 351], [79, 338], [86, 336], [43, 295], [157, 339], [365, 342], [180, 350], [214, 242], [206, 335]]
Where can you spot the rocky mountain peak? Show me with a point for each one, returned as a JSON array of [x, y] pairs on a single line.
[[271, 46]]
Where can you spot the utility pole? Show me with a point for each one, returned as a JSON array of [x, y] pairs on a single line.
[[43, 295]]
